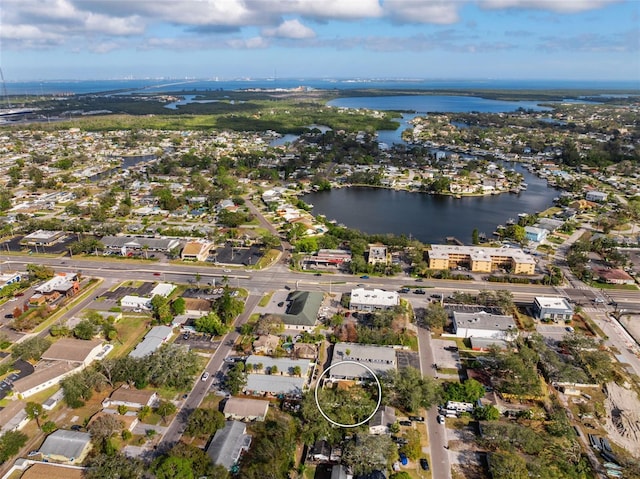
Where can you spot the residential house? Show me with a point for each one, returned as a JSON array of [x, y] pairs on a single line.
[[245, 409], [152, 341], [129, 420], [266, 344], [49, 470], [373, 299], [13, 417], [131, 398], [551, 307], [535, 234], [66, 446], [196, 306], [597, 196], [382, 420], [305, 350], [321, 451], [228, 444], [74, 350]]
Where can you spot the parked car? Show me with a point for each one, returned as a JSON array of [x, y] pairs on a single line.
[[424, 464], [76, 427], [419, 291], [403, 459], [440, 419], [364, 276], [416, 418], [405, 423], [318, 274], [8, 316], [280, 304]]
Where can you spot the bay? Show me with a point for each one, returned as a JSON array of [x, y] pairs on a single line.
[[429, 218]]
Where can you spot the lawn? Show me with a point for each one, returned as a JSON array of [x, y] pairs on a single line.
[[131, 329]]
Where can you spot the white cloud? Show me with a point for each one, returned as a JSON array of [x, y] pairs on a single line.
[[441, 12], [247, 43], [290, 29], [558, 6]]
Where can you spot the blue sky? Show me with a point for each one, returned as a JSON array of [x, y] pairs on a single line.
[[441, 39]]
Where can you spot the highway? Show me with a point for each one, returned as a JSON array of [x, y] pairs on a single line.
[[276, 277]]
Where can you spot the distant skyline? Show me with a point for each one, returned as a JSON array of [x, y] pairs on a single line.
[[227, 39]]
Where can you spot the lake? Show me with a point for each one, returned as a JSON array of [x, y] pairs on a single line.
[[429, 218]]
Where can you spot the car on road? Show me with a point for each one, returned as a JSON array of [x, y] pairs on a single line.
[[405, 423], [8, 316], [19, 294], [419, 280], [419, 291], [570, 329], [156, 274], [280, 304], [185, 336], [424, 464], [440, 419], [364, 276], [416, 418], [403, 290], [226, 271], [205, 376]]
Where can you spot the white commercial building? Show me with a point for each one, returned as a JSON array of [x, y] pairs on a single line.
[[373, 299]]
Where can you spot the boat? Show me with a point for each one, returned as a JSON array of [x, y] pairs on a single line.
[[511, 221], [523, 186], [612, 465]]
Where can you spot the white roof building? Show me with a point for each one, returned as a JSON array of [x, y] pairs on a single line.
[[378, 358], [482, 325], [373, 299], [162, 289]]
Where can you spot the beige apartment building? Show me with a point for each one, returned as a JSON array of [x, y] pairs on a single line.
[[480, 259]]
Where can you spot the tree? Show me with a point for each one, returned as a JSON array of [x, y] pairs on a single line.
[[228, 307], [31, 348], [364, 454], [103, 428], [273, 369], [409, 390], [85, 329], [49, 427], [165, 409], [412, 449], [204, 422], [486, 413], [35, 411], [178, 306], [435, 316], [507, 465], [210, 324], [10, 444], [172, 467], [469, 391], [269, 324], [114, 466], [200, 462], [475, 236], [236, 378]]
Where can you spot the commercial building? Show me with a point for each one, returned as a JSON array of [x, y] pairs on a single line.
[[74, 350], [378, 253], [274, 386], [283, 366], [613, 276], [124, 244], [554, 308], [597, 196], [373, 299], [43, 238], [480, 259], [377, 358], [196, 251], [483, 325], [302, 310]]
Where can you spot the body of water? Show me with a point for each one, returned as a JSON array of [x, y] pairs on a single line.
[[429, 218], [48, 87]]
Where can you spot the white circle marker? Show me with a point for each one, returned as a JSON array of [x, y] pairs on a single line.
[[374, 377]]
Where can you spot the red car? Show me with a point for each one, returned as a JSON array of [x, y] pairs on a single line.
[[18, 294], [156, 274]]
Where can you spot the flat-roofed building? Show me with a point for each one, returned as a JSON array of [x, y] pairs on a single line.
[[43, 238], [481, 324], [274, 386], [283, 366], [480, 259], [196, 251], [10, 277], [613, 276], [332, 256], [379, 359], [535, 234], [378, 253], [13, 417], [228, 444], [552, 307], [373, 299], [138, 243], [65, 284], [598, 196], [245, 409]]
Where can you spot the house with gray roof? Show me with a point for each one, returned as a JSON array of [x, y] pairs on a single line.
[[274, 386], [302, 310], [152, 341], [284, 366], [228, 444], [481, 324], [66, 446]]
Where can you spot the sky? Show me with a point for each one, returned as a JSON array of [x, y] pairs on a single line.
[[593, 40]]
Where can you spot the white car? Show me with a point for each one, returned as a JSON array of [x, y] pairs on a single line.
[[440, 419], [205, 376]]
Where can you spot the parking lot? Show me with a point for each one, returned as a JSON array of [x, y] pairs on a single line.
[[408, 359], [197, 341], [445, 358]]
